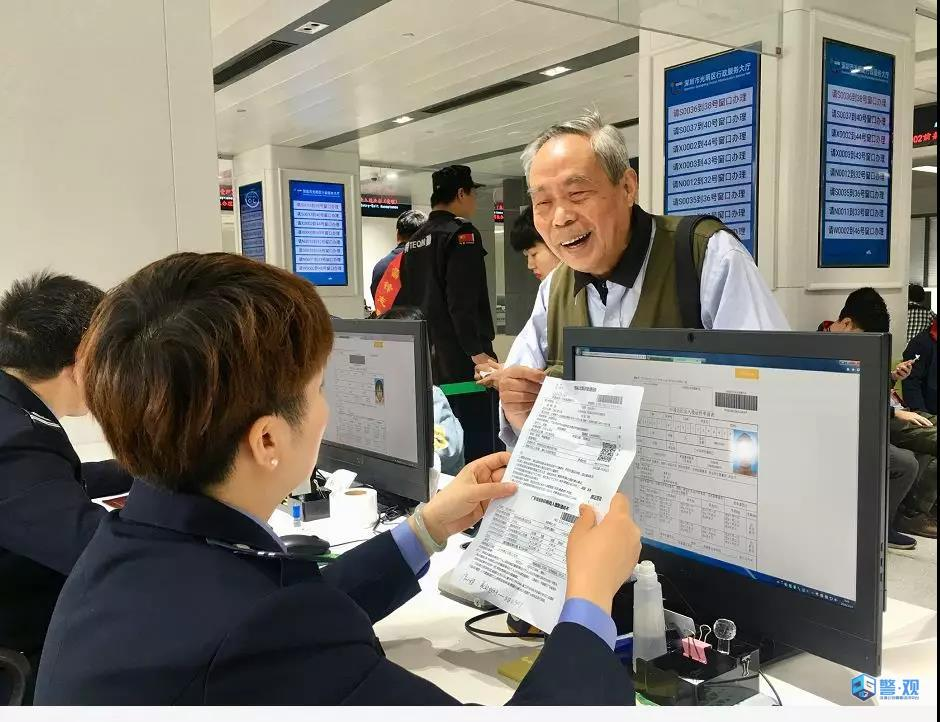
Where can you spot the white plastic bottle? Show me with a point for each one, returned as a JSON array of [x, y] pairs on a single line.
[[649, 622]]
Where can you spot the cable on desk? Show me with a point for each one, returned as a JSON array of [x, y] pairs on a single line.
[[476, 631], [734, 682], [345, 543], [772, 689], [388, 516]]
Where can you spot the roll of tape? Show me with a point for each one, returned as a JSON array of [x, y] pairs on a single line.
[[354, 508]]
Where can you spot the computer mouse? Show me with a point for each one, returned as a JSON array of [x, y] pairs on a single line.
[[305, 546]]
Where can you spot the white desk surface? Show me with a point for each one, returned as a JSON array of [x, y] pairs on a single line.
[[427, 637]]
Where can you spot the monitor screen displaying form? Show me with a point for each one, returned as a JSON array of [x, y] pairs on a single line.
[[732, 468], [378, 385], [369, 384]]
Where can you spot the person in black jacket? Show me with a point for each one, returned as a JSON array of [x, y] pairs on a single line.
[[46, 515], [920, 388], [865, 311], [919, 392], [185, 596], [442, 272]]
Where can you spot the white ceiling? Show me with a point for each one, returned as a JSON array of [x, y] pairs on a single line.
[[370, 71], [702, 19], [239, 24], [225, 13], [409, 54], [508, 120]]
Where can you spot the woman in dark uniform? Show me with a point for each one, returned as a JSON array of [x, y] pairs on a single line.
[[205, 373]]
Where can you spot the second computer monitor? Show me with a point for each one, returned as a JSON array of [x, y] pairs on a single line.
[[759, 477], [378, 385]]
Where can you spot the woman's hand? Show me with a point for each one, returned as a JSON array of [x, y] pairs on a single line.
[[601, 557], [462, 503]]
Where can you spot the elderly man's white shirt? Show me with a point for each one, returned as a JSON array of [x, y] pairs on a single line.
[[734, 296]]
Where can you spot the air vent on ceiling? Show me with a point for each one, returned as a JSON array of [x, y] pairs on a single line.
[[251, 60], [476, 96]]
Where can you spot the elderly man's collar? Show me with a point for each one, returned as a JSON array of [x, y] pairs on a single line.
[[628, 267]]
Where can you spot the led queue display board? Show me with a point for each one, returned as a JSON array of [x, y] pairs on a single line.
[[251, 220], [318, 231], [711, 139], [855, 157]]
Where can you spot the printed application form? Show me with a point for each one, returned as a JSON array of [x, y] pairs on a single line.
[[575, 448]]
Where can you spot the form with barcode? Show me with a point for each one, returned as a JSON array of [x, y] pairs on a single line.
[[575, 448]]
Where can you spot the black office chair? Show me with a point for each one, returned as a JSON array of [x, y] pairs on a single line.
[[14, 672]]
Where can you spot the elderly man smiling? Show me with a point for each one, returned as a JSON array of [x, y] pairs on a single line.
[[618, 262]]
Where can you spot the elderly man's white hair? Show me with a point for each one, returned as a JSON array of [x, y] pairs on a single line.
[[607, 142]]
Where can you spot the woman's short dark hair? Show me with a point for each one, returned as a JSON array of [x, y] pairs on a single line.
[[523, 235], [42, 319], [186, 354], [916, 293]]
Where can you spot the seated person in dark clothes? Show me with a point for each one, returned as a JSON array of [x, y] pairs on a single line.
[[186, 596], [46, 514], [919, 391], [865, 311], [920, 388]]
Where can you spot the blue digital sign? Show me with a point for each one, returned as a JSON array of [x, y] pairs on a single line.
[[855, 157], [251, 220], [712, 109], [318, 231]]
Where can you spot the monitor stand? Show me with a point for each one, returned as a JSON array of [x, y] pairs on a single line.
[[388, 501]]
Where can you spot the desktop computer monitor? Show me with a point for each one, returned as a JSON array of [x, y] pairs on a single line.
[[760, 477], [378, 385]]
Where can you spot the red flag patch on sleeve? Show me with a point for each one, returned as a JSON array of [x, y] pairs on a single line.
[[466, 239]]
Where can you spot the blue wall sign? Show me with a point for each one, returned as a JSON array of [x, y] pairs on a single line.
[[251, 220], [318, 231], [855, 157], [712, 109]]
